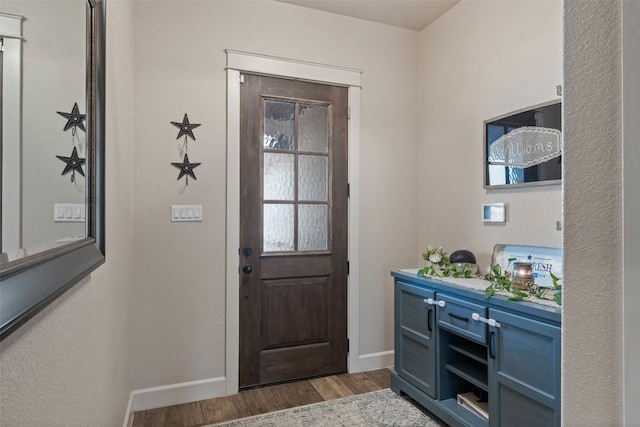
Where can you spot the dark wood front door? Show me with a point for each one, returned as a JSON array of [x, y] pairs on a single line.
[[293, 230]]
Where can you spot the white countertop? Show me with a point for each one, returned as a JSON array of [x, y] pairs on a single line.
[[479, 285]]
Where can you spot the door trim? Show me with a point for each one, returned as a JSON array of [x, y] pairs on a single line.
[[11, 131], [238, 62]]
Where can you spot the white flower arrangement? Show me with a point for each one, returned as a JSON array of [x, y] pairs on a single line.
[[437, 260]]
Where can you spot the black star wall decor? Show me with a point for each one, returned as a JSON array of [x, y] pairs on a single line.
[[74, 119], [186, 130], [186, 168], [73, 164]]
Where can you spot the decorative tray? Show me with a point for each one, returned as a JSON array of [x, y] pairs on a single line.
[[544, 260]]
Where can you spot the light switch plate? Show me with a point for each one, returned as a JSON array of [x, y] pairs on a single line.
[[186, 213], [68, 212]]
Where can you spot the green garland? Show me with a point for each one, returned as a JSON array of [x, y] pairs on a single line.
[[448, 271], [439, 264], [500, 281]]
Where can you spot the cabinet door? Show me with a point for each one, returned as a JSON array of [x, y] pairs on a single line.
[[524, 372], [414, 337]]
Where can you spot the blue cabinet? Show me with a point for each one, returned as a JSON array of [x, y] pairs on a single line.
[[414, 325], [452, 346], [524, 371]]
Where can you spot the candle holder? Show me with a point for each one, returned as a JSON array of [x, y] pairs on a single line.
[[522, 276]]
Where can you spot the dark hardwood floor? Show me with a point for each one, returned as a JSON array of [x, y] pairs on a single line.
[[262, 400]]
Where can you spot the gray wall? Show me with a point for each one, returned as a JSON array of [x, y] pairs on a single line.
[[631, 153], [592, 317]]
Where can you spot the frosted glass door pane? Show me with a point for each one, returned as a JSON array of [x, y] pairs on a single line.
[[278, 176], [312, 178], [278, 226], [313, 128], [279, 125], [312, 227]]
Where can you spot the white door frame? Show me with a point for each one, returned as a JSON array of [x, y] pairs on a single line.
[[11, 33], [286, 68]]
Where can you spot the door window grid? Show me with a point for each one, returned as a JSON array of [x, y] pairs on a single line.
[[296, 162]]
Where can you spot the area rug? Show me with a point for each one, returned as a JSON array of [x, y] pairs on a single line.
[[378, 408]]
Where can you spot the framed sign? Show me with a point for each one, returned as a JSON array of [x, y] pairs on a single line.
[[524, 147], [544, 260]]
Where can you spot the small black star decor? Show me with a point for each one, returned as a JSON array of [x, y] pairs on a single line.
[[186, 130], [186, 168], [73, 164], [74, 119], [74, 122]]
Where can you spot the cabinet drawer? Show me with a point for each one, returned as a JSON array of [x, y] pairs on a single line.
[[456, 317]]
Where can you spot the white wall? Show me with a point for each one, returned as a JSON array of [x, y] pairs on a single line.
[[179, 295], [631, 160], [480, 60], [592, 388], [70, 364], [54, 58]]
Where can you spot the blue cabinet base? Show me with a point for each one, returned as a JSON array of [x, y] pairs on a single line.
[[450, 341], [448, 410]]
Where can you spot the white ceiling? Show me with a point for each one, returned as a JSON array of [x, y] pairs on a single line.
[[410, 14]]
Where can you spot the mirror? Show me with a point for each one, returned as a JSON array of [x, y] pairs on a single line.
[[524, 148], [52, 151]]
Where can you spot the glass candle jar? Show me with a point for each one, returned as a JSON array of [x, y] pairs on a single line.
[[522, 276]]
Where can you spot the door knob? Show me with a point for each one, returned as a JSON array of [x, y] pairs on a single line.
[[247, 269]]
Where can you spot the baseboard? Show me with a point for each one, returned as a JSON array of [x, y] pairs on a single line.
[[175, 394], [128, 416], [371, 361]]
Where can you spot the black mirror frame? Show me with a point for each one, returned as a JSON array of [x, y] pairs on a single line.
[[28, 285], [485, 162]]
